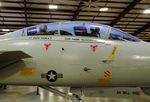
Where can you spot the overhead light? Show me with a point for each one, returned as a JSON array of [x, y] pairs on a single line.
[[53, 6], [147, 11], [5, 30], [103, 9], [0, 4]]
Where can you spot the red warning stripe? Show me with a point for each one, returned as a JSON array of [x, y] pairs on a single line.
[[107, 73]]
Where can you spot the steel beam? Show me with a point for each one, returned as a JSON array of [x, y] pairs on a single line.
[[76, 13], [125, 11], [53, 10], [81, 15], [142, 29], [25, 13]]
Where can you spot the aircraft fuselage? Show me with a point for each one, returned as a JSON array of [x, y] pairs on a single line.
[[77, 61]]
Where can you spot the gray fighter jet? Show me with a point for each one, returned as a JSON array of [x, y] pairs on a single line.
[[92, 59]]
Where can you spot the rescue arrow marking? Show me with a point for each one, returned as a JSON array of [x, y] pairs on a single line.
[[47, 46], [93, 47]]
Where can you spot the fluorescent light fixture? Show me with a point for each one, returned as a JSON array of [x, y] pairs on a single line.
[[5, 30], [0, 4], [147, 11], [103, 9], [53, 6]]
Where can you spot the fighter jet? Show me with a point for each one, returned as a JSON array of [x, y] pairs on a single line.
[[92, 59]]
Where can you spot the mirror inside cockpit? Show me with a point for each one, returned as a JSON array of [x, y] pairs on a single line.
[[43, 29], [80, 30], [95, 31], [32, 31]]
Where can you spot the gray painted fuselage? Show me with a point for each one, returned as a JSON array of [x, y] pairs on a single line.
[[71, 55]]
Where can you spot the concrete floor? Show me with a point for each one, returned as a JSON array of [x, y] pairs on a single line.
[[28, 94]]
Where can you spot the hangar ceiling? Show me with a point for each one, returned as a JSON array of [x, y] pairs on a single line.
[[126, 15]]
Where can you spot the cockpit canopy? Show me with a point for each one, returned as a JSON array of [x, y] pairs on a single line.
[[77, 29]]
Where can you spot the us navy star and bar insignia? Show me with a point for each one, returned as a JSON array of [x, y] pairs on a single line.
[[52, 76]]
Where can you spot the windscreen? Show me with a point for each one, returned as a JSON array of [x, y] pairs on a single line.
[[116, 34]]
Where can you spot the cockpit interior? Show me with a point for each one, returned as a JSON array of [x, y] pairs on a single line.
[[78, 29]]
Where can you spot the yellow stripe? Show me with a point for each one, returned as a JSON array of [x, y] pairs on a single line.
[[27, 71], [111, 56]]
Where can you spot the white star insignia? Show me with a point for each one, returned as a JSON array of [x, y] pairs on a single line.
[[51, 76]]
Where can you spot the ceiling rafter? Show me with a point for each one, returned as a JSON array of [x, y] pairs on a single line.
[[76, 13], [58, 10], [118, 2], [38, 3], [16, 25], [74, 5], [54, 10], [125, 11], [64, 18], [142, 29], [17, 17], [55, 14], [25, 13], [34, 9]]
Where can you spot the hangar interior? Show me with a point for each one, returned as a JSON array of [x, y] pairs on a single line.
[[131, 16]]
